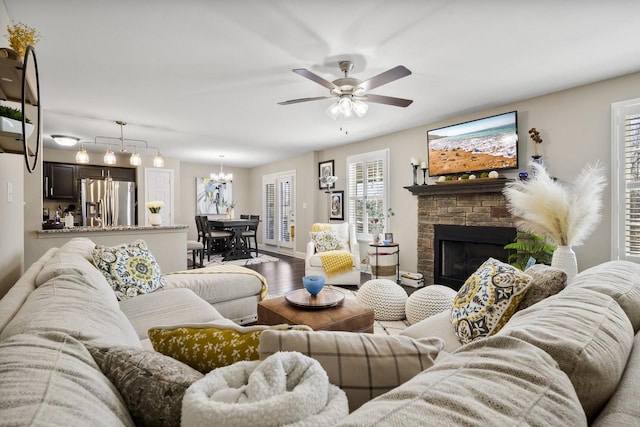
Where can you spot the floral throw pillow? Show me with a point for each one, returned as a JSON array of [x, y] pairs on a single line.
[[488, 299], [328, 240], [130, 269]]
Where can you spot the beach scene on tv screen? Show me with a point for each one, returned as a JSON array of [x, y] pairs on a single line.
[[486, 144]]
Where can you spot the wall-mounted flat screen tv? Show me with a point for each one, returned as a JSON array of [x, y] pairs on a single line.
[[486, 144]]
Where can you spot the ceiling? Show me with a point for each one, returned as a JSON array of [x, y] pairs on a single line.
[[199, 79]]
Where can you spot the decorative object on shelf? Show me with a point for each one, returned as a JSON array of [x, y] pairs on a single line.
[[326, 178], [376, 218], [414, 166], [350, 93], [313, 284], [494, 174], [424, 168], [336, 211], [221, 178], [20, 36], [388, 238], [154, 207], [537, 140], [566, 214]]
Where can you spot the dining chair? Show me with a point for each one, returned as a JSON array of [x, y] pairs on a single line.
[[211, 236], [252, 233]]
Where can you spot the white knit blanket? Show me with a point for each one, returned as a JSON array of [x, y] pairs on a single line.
[[285, 389]]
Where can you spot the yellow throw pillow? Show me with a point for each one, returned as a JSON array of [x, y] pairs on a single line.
[[488, 299], [208, 346]]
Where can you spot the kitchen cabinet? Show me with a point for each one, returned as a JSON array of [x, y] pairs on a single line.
[[101, 172], [59, 181]]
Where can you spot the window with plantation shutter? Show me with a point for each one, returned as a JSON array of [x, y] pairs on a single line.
[[367, 184], [279, 209], [626, 180]]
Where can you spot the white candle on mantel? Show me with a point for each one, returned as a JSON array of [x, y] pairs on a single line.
[[423, 165], [415, 161]]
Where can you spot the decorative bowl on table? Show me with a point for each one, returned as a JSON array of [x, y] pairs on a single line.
[[313, 284], [386, 241]]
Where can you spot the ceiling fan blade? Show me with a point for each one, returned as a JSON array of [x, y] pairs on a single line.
[[383, 78], [380, 99], [295, 101], [316, 78]]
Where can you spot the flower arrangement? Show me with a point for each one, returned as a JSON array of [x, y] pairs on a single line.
[[20, 36], [329, 180], [566, 214], [230, 204], [537, 140], [154, 206]]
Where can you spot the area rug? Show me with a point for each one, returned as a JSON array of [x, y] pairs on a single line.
[[260, 259], [382, 327]]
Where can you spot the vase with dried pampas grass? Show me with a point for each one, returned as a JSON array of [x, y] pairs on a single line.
[[567, 214]]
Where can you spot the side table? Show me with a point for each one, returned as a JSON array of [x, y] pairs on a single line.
[[376, 247]]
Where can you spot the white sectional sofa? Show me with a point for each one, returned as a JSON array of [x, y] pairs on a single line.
[[572, 359]]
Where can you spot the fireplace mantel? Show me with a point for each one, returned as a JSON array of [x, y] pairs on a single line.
[[467, 187]]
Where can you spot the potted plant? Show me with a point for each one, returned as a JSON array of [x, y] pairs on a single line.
[[376, 218], [12, 121], [529, 246]]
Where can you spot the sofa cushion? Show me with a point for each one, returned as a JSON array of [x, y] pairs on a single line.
[[78, 246], [73, 304], [487, 299], [151, 384], [71, 263], [546, 281], [217, 287], [587, 333], [13, 300], [438, 325], [362, 365], [497, 381], [618, 279], [210, 346], [170, 307], [129, 268], [623, 408], [57, 384]]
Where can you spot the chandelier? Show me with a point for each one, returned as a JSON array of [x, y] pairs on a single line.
[[221, 178], [110, 157]]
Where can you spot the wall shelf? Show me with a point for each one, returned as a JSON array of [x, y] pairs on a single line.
[[472, 186]]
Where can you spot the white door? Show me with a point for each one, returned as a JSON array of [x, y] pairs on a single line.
[[158, 184], [279, 209]]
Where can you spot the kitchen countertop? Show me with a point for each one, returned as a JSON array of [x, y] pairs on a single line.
[[116, 228]]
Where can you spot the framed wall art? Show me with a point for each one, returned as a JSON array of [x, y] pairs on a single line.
[[336, 200], [212, 197], [325, 169]]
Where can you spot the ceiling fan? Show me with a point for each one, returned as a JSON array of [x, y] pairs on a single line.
[[350, 92]]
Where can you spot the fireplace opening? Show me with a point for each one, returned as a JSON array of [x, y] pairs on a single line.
[[460, 250]]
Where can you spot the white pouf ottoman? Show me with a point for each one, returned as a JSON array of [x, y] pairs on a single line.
[[428, 301], [385, 297]]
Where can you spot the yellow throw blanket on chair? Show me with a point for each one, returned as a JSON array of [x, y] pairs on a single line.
[[336, 262]]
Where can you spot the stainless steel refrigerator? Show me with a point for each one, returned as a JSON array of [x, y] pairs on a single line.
[[107, 203]]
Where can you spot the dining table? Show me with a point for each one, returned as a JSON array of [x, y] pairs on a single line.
[[238, 248]]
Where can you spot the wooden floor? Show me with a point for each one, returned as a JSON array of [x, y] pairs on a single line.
[[286, 275]]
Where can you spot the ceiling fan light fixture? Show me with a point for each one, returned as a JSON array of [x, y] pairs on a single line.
[[109, 157], [333, 111], [345, 104], [360, 108], [65, 141], [82, 156]]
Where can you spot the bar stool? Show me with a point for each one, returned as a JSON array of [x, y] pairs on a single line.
[[196, 248]]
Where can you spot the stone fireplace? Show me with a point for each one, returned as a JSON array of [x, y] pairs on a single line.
[[480, 204]]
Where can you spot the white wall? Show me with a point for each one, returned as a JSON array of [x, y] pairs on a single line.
[[12, 224]]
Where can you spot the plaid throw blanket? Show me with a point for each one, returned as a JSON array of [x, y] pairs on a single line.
[[229, 269], [336, 262]]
